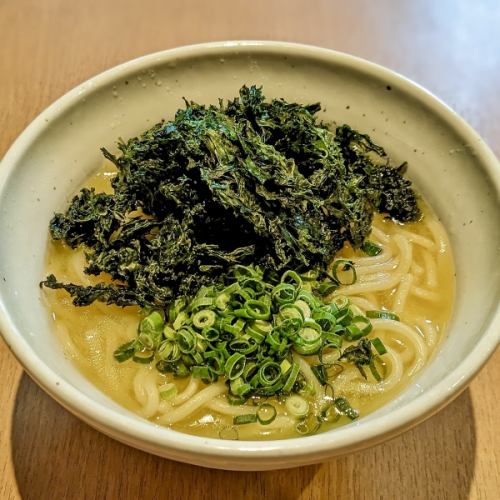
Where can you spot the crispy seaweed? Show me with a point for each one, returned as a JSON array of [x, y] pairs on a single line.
[[247, 181]]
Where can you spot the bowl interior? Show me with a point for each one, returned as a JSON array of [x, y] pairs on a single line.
[[447, 161]]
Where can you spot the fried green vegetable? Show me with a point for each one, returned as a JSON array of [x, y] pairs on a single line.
[[247, 181]]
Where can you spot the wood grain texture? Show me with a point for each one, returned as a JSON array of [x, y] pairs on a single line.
[[47, 47]]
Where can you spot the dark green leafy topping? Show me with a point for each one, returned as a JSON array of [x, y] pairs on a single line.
[[85, 295], [362, 355], [344, 408], [244, 182]]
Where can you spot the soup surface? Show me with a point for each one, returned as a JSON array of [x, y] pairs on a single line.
[[412, 277]]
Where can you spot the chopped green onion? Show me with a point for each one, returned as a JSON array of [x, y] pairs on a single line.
[[233, 327], [167, 391], [255, 284], [379, 345], [345, 408], [153, 322], [382, 315], [168, 350], [284, 293], [307, 390], [181, 370], [308, 341], [180, 320], [370, 248], [359, 327], [374, 371], [248, 330], [308, 426], [262, 326], [297, 406], [236, 400], [239, 387], [344, 266], [291, 311], [285, 365], [308, 298], [204, 373], [327, 288], [332, 340], [250, 370], [325, 319], [339, 302], [125, 351], [310, 335], [249, 418], [186, 341], [204, 319], [304, 307], [143, 357], [169, 333], [201, 302], [292, 276], [266, 413], [290, 326], [329, 414], [211, 334], [292, 378], [235, 366], [240, 272], [176, 308], [243, 346], [233, 287], [269, 373], [269, 390], [257, 309], [242, 313], [151, 330], [320, 373], [255, 334], [222, 301]]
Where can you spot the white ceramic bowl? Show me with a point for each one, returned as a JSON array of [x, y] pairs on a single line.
[[449, 163]]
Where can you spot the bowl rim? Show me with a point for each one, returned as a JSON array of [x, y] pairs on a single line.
[[350, 437]]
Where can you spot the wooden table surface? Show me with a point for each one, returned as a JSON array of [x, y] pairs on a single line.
[[48, 46]]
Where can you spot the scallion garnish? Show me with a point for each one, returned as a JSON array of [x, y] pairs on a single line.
[[345, 408], [347, 272], [379, 345], [125, 351], [248, 418], [247, 331], [204, 319], [167, 391], [297, 406], [370, 248], [235, 365], [291, 378], [266, 413], [308, 426], [320, 373], [143, 357], [382, 315]]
